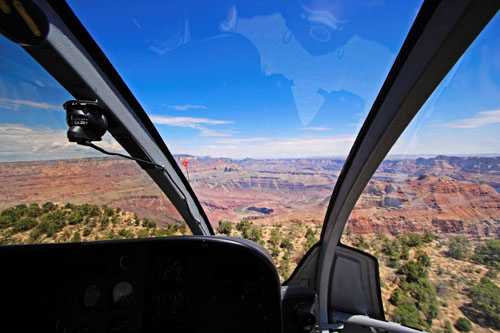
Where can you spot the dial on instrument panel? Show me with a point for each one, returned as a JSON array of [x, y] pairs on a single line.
[[168, 303], [168, 269], [122, 293], [91, 296]]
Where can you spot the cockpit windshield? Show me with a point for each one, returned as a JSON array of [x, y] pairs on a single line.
[[260, 101]]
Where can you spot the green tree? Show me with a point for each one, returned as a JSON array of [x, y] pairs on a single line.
[[104, 220], [458, 247], [94, 210], [485, 297], [310, 239], [69, 206], [86, 232], [391, 248], [34, 210], [125, 233], [225, 227], [407, 314], [24, 224], [6, 220], [360, 242], [243, 225], [412, 240], [491, 274], [447, 327], [253, 233], [488, 253], [108, 211], [146, 223], [165, 232], [286, 244], [76, 238], [75, 218], [48, 207], [405, 252], [183, 228], [463, 325], [275, 237], [429, 237], [249, 231], [423, 258], [143, 233], [84, 209], [413, 271], [399, 297]]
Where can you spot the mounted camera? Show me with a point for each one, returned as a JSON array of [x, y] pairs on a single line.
[[86, 121]]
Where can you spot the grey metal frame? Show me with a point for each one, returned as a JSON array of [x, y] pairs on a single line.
[[453, 26], [64, 56]]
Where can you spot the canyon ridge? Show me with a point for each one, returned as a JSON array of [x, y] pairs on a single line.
[[442, 194]]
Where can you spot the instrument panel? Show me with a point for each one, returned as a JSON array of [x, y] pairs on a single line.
[[173, 284]]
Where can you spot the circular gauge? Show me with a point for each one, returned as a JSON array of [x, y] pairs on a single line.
[[176, 299], [91, 296], [124, 262], [122, 293], [167, 270]]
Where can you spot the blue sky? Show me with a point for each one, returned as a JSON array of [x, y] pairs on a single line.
[[243, 79]]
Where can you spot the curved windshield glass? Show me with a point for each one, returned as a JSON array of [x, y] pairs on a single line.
[[52, 190], [260, 101], [431, 212]]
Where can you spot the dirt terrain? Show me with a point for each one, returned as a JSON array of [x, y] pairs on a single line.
[[114, 182], [442, 194]]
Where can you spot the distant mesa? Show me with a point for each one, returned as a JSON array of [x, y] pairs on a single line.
[[262, 210]]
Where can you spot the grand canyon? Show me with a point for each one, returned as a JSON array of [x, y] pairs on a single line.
[[414, 211], [440, 194]]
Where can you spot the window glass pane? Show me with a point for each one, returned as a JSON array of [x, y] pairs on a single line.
[[261, 99], [431, 212], [52, 190]]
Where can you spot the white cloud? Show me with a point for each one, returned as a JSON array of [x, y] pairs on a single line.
[[239, 141], [192, 122], [272, 148], [186, 107], [186, 121], [482, 118], [316, 128], [24, 143], [210, 132], [16, 104]]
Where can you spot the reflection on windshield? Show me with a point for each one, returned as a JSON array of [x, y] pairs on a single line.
[[259, 101], [431, 212], [254, 80]]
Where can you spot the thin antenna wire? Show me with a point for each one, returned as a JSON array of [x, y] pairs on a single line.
[[90, 144]]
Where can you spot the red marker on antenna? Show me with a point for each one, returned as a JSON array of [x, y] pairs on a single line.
[[185, 163]]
